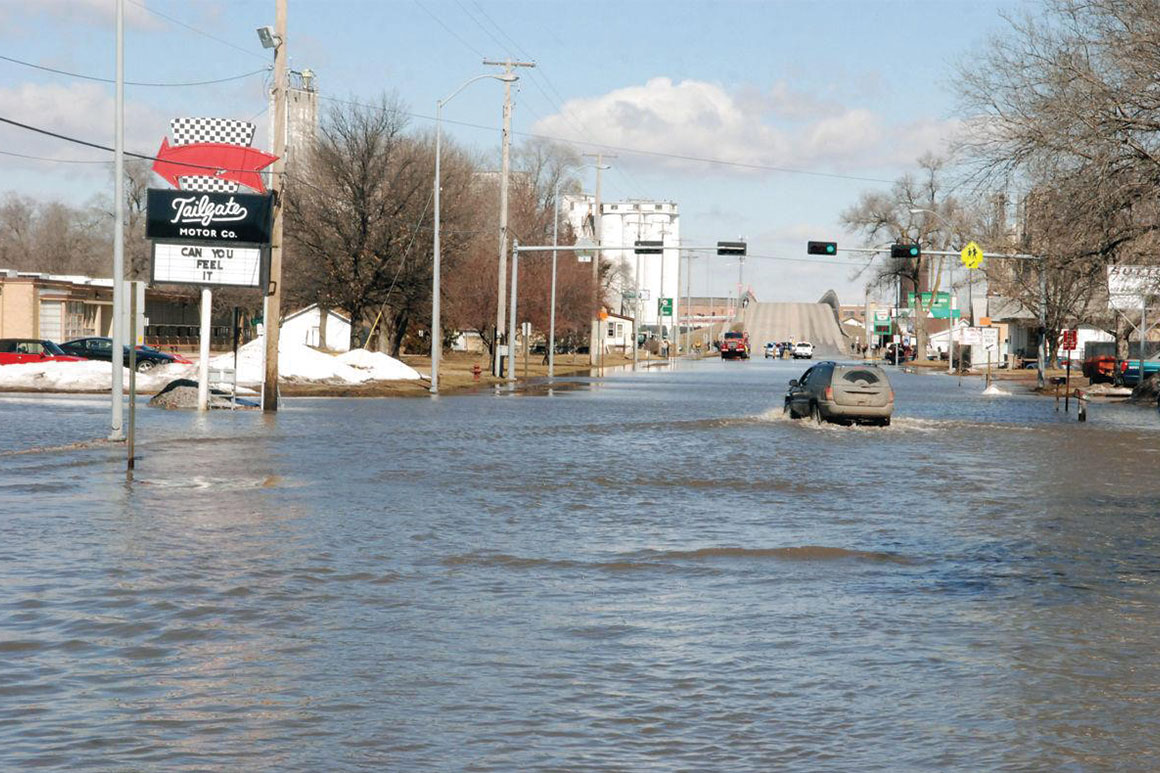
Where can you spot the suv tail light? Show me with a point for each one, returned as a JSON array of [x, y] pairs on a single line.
[[829, 393], [1124, 366]]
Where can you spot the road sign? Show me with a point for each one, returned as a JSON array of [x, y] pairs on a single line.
[[585, 256], [730, 248], [972, 255], [939, 308], [1069, 340], [665, 307], [645, 294], [987, 337], [648, 247]]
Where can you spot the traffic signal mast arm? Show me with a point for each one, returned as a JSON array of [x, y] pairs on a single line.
[[953, 253]]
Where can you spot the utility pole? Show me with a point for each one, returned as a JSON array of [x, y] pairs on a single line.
[[598, 231], [505, 167], [116, 431], [272, 314]]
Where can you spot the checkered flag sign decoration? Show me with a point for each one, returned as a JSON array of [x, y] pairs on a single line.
[[186, 131]]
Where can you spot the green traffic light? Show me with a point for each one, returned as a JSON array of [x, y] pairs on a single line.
[[831, 249], [914, 252]]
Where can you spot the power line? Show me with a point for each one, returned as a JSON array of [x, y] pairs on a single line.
[[45, 158], [180, 23], [87, 144], [452, 32], [129, 83]]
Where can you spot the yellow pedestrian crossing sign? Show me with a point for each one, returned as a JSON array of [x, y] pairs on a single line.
[[972, 255]]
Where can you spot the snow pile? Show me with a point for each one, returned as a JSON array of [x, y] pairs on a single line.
[[87, 376], [995, 390], [301, 363], [295, 362], [382, 367]]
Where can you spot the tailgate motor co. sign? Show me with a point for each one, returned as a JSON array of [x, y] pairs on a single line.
[[207, 233]]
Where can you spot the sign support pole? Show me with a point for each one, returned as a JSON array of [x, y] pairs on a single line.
[[203, 351], [132, 376]]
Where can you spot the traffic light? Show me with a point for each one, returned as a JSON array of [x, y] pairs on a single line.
[[905, 251], [822, 248], [730, 248], [648, 248]]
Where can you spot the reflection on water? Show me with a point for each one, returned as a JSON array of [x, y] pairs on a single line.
[[656, 572]]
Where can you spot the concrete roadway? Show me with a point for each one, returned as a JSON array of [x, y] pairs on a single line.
[[813, 322]]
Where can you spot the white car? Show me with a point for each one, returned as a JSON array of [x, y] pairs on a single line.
[[803, 350]]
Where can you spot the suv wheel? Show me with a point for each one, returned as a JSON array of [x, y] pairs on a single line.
[[816, 413]]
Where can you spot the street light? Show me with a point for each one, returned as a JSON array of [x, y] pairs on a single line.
[[436, 323], [951, 290]]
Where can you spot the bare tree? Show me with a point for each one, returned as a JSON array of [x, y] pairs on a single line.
[[1067, 110], [887, 217], [355, 218]]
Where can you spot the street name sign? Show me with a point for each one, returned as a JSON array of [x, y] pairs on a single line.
[[208, 264]]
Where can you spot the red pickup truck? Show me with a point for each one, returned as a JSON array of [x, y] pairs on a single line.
[[735, 345]]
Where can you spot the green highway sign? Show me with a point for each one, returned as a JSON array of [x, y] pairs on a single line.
[[665, 307], [939, 309]]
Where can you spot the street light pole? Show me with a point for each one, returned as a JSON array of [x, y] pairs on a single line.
[[552, 313], [117, 432], [594, 340], [436, 319], [505, 167]]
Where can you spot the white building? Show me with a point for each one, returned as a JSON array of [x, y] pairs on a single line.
[[304, 327], [617, 333], [622, 224]]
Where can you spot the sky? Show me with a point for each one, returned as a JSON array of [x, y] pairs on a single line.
[[762, 120]]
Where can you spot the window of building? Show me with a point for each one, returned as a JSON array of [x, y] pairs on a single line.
[[612, 330]]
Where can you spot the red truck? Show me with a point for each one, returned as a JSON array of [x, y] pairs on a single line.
[[735, 345]]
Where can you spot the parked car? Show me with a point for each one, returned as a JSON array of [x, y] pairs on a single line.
[[770, 350], [101, 348], [803, 350], [846, 394], [15, 351]]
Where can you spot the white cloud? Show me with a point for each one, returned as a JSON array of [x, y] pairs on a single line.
[[778, 127], [83, 111], [89, 11]]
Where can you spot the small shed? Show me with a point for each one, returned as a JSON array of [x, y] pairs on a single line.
[[618, 333], [305, 327]]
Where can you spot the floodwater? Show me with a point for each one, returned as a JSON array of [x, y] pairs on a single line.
[[656, 572]]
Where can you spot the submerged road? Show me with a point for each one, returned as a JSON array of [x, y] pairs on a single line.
[[657, 571]]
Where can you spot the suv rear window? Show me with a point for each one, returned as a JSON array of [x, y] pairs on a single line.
[[734, 335], [861, 374]]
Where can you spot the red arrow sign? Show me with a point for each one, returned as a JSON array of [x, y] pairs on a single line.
[[212, 159]]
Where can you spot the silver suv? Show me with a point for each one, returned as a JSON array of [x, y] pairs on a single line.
[[842, 393]]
